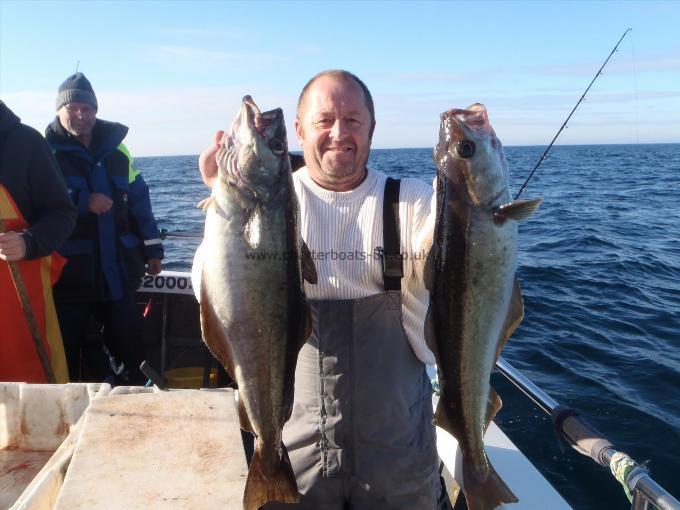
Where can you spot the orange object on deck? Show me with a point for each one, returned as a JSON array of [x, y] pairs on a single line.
[[19, 359]]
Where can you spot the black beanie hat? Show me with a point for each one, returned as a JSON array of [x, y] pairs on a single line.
[[76, 89]]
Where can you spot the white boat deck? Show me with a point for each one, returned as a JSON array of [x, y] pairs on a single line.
[[157, 450], [137, 448], [133, 448], [533, 491]]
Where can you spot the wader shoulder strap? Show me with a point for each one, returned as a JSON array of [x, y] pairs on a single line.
[[393, 269]]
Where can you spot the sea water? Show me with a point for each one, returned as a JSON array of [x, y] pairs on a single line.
[[599, 265]]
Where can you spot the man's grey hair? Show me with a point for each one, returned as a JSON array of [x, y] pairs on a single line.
[[342, 75]]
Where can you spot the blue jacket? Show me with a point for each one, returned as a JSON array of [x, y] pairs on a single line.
[[106, 253]]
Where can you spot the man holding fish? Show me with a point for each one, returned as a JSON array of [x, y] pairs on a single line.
[[359, 433]]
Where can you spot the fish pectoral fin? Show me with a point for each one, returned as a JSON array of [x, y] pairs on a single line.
[[428, 270], [213, 333], [243, 420], [252, 230], [513, 317], [308, 267], [430, 331], [442, 420], [517, 210], [281, 486], [493, 405], [207, 203]]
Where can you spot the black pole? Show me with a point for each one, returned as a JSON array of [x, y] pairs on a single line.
[[564, 124]]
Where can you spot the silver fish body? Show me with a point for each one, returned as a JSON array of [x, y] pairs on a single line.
[[475, 300], [254, 316]]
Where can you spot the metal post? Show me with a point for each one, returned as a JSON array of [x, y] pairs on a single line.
[[639, 502], [542, 399], [164, 327], [653, 493]]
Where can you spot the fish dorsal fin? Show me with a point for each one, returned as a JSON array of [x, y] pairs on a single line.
[[252, 232], [207, 203], [214, 335], [517, 210], [309, 324], [308, 267], [493, 405], [513, 317]]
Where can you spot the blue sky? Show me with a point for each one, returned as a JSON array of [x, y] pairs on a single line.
[[175, 71]]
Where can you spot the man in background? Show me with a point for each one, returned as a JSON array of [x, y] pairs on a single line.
[[37, 217], [115, 236]]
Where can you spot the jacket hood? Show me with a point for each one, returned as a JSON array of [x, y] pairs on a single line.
[[7, 118], [106, 135]]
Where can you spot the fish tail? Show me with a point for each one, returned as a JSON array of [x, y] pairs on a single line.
[[281, 486], [485, 492]]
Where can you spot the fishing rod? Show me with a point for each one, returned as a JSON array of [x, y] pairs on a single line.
[[184, 235], [640, 488], [564, 125]]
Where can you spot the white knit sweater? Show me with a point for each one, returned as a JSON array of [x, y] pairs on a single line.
[[342, 230]]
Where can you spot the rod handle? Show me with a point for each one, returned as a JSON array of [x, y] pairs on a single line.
[[585, 438]]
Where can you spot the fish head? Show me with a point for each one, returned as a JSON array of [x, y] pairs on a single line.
[[470, 154], [255, 157]]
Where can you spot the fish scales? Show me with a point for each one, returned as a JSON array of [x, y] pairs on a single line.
[[254, 315], [475, 302]]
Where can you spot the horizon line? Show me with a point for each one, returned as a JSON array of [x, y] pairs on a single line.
[[430, 148]]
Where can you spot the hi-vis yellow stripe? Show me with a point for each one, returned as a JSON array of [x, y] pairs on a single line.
[[7, 211], [52, 331], [132, 173]]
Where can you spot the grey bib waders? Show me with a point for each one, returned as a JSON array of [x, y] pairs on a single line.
[[361, 436]]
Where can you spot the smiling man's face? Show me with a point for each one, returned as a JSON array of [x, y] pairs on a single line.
[[334, 130]]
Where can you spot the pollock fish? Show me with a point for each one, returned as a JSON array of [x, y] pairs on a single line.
[[254, 316], [475, 299]]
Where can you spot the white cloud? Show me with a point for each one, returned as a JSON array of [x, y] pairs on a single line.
[[201, 55], [162, 122], [221, 33], [183, 120]]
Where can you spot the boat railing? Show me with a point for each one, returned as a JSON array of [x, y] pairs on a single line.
[[179, 235], [643, 492]]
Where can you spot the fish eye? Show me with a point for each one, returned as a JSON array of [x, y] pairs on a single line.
[[277, 146], [465, 149]]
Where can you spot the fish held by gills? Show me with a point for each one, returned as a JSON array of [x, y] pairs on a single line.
[[475, 299], [254, 316]]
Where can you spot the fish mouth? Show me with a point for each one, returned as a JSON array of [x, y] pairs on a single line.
[[474, 122], [257, 120], [474, 118], [467, 137], [240, 160]]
